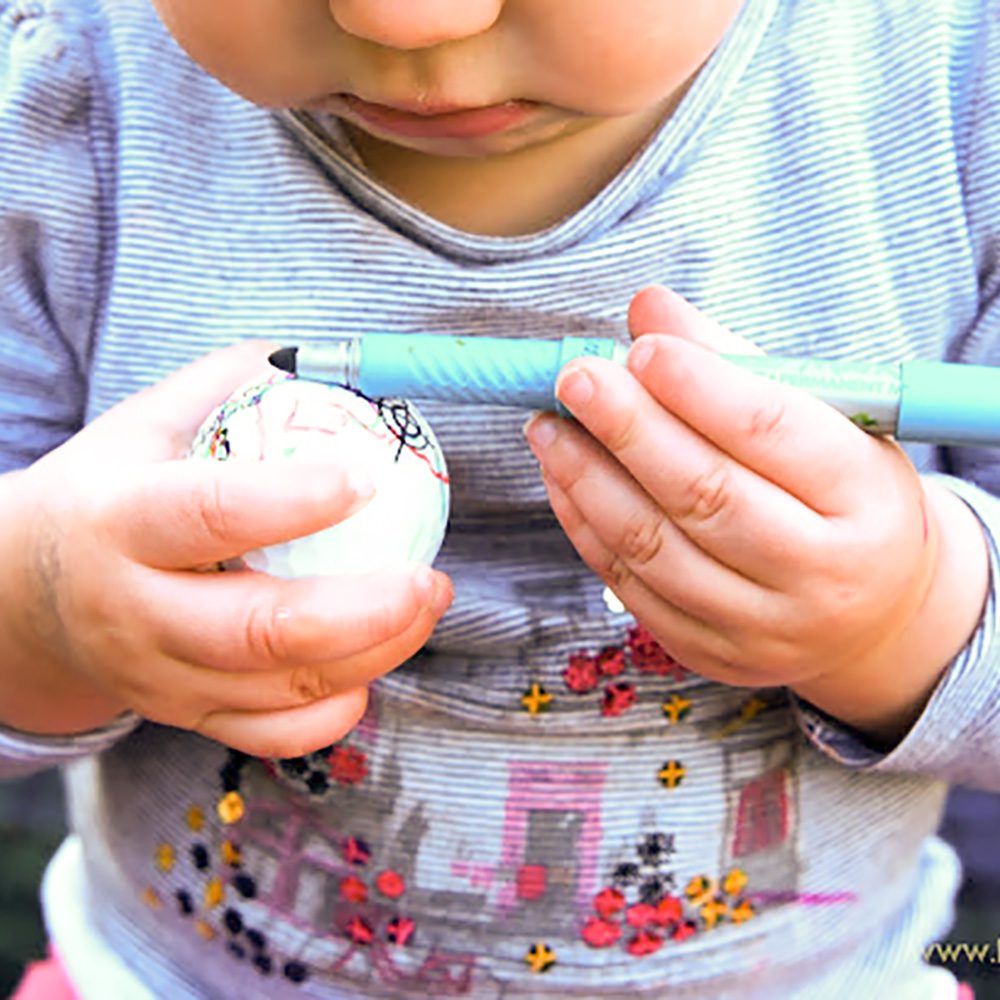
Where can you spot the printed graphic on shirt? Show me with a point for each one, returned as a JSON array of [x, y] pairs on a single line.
[[389, 858]]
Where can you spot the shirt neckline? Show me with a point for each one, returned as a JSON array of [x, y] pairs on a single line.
[[668, 146]]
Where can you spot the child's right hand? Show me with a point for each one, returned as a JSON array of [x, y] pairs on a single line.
[[102, 610]]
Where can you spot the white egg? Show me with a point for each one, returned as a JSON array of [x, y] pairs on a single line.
[[288, 418]]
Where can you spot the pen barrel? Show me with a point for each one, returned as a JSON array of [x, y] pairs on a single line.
[[865, 393], [506, 371], [950, 403]]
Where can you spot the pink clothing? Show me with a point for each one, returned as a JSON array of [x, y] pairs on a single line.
[[45, 980]]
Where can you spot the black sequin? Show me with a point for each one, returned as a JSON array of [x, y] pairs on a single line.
[[296, 972], [318, 783], [256, 939], [233, 921]]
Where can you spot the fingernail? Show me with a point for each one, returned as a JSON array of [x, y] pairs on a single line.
[[540, 431], [640, 355], [423, 578], [574, 389]]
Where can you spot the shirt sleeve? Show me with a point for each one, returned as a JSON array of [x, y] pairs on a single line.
[[50, 227], [957, 737], [50, 255]]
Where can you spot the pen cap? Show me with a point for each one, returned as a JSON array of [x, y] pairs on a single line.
[[949, 404]]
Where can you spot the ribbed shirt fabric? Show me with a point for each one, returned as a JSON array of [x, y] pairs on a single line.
[[829, 187]]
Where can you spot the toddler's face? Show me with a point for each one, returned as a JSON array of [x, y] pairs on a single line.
[[455, 77]]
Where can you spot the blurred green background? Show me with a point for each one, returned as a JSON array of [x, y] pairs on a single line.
[[31, 826]]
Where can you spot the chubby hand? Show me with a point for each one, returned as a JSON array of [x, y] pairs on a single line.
[[104, 610], [757, 533]]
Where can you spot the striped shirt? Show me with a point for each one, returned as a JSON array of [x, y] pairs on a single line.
[[829, 187]]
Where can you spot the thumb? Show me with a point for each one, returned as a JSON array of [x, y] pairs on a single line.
[[161, 421], [660, 310]]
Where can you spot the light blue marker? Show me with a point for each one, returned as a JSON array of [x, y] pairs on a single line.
[[912, 400]]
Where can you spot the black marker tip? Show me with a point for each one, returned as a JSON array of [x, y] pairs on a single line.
[[284, 358]]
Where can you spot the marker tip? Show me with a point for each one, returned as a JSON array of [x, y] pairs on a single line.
[[284, 358]]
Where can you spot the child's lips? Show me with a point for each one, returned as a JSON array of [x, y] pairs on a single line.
[[439, 122]]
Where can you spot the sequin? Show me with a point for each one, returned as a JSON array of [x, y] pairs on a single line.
[[353, 890], [540, 958], [231, 808], [600, 933], [245, 886], [536, 699], [348, 765], [205, 930], [608, 902], [231, 854], [165, 857], [214, 893], [671, 774], [295, 972], [390, 884], [676, 709], [644, 943], [735, 882], [399, 930]]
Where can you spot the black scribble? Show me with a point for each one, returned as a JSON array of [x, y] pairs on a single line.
[[399, 418]]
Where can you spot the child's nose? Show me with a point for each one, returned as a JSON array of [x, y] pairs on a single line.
[[415, 24]]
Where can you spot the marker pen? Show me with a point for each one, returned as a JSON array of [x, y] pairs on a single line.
[[913, 400]]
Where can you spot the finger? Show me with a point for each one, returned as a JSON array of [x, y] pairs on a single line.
[[638, 541], [661, 310], [185, 514], [160, 422], [688, 639], [249, 621], [178, 693], [293, 732], [781, 433], [784, 433], [739, 518]]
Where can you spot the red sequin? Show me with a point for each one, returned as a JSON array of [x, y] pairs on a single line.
[[600, 933], [618, 698], [668, 911], [649, 657], [353, 889], [356, 851], [608, 902], [359, 931], [683, 931], [640, 914], [582, 675], [399, 930], [390, 884], [611, 661], [348, 765], [644, 943]]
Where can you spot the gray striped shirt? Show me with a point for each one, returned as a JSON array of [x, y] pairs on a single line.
[[830, 186]]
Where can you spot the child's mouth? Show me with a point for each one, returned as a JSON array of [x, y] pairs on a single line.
[[437, 123]]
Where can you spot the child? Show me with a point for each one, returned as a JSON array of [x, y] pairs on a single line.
[[688, 737]]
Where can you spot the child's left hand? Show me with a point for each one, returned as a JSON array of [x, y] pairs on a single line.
[[761, 536]]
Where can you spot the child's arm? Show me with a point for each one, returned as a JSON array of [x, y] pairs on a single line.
[[101, 611], [760, 536]]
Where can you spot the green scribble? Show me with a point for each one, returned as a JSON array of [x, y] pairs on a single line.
[[865, 420]]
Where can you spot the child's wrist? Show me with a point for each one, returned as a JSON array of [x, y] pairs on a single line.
[[40, 693], [882, 696]]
